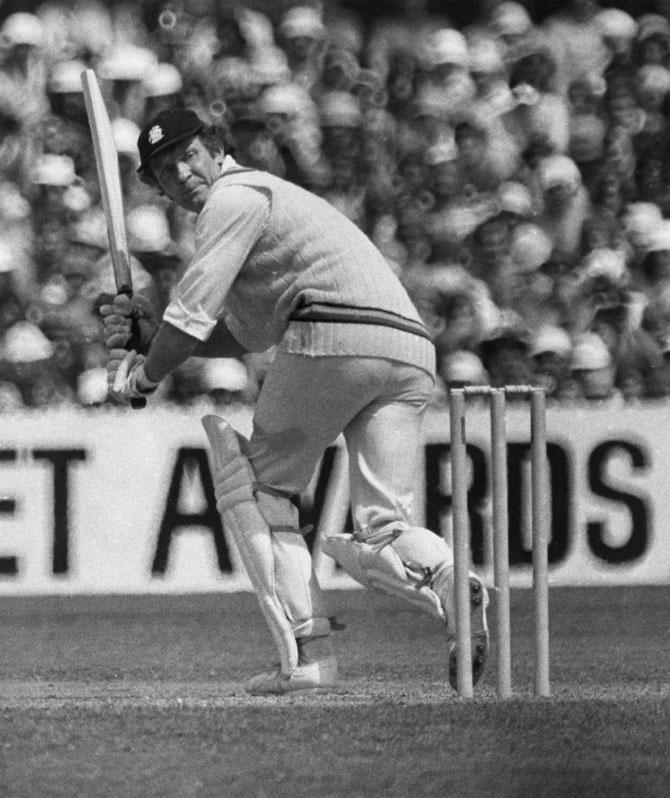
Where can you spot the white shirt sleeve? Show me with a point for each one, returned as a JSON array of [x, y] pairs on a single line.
[[227, 229]]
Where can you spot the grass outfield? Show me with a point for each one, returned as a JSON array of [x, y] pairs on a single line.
[[141, 696]]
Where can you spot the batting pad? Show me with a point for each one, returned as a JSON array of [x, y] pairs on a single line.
[[233, 484], [398, 560], [297, 587]]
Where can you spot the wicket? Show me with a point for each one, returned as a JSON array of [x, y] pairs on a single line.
[[461, 534]]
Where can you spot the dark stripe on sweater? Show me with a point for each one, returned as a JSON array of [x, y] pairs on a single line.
[[346, 314]]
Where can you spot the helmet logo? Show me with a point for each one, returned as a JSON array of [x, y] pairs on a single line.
[[155, 134]]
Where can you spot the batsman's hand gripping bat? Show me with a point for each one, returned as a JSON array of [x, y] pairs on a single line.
[[107, 164]]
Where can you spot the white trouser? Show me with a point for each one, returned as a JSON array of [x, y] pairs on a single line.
[[379, 404]]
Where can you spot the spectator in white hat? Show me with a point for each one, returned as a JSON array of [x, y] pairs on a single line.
[[504, 351], [524, 287], [51, 176], [431, 118], [292, 117], [340, 119], [652, 88], [592, 369], [641, 220], [92, 387], [24, 71], [513, 27], [573, 33], [550, 350], [515, 202], [539, 118], [125, 133], [91, 26], [490, 75], [29, 356], [125, 67], [226, 380], [302, 35], [653, 273], [614, 312], [445, 178], [87, 241], [65, 91], [458, 369], [619, 30], [151, 242], [652, 43], [445, 54], [566, 203], [162, 86]]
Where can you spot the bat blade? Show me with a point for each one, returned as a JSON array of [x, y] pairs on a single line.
[[107, 163]]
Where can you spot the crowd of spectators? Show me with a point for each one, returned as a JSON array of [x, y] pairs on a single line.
[[513, 171]]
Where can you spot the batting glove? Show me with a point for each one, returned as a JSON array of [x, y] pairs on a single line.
[[128, 323], [126, 377]]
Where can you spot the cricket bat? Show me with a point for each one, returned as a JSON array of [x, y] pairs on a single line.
[[107, 164]]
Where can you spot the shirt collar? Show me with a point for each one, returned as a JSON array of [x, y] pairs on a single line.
[[228, 163]]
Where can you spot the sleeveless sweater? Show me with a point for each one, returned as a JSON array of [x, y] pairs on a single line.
[[282, 267]]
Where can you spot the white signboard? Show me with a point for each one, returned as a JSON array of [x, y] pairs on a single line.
[[122, 502]]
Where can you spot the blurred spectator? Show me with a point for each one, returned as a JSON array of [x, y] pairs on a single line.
[[526, 288], [340, 119], [504, 352], [653, 272], [652, 86], [225, 380], [652, 43], [640, 221], [487, 155], [123, 70], [566, 203], [591, 368], [303, 35], [457, 370], [656, 322], [618, 30], [512, 26], [461, 368], [28, 356], [161, 87], [539, 118], [550, 350], [514, 174], [573, 33]]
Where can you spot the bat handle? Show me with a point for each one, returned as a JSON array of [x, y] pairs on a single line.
[[139, 403]]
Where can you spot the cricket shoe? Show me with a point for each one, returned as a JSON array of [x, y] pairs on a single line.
[[443, 586], [319, 674]]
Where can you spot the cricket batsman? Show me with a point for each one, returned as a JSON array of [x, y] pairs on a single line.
[[278, 266]]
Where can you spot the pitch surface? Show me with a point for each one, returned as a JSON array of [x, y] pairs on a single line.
[[141, 696]]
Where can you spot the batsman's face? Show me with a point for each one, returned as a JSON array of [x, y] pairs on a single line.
[[186, 172]]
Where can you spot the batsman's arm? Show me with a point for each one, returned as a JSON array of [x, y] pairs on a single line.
[[171, 347], [221, 343]]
